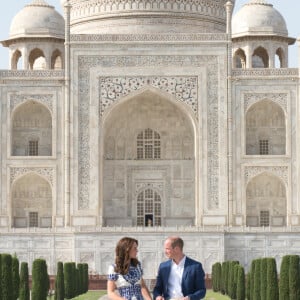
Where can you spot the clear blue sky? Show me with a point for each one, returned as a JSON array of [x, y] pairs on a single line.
[[290, 9]]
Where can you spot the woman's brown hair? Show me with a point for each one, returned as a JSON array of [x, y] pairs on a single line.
[[123, 260]]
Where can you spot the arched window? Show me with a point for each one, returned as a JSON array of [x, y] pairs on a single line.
[[31, 130], [239, 59], [148, 145], [279, 58], [266, 201], [260, 58], [37, 60], [31, 202], [56, 60], [265, 129], [148, 208], [16, 60]]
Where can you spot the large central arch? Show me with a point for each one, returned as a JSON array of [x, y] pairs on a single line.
[[149, 146]]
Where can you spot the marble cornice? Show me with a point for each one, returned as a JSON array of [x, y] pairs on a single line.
[[278, 73], [211, 37], [30, 74]]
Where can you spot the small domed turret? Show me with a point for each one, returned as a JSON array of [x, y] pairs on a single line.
[[260, 37], [36, 36]]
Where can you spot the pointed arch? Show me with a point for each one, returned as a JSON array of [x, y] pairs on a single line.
[[15, 59], [148, 208], [36, 59], [31, 201], [31, 130], [56, 60], [239, 59], [146, 119], [265, 129], [260, 58], [266, 201], [279, 58]]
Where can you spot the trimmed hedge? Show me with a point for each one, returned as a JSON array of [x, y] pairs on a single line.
[[24, 293], [240, 289], [15, 277], [294, 278], [59, 282], [40, 280], [263, 278], [272, 280], [6, 282]]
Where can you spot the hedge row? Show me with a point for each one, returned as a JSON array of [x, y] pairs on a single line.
[[14, 285], [261, 283]]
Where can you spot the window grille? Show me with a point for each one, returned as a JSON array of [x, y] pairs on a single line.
[[264, 218], [148, 208], [33, 219], [263, 147], [33, 148], [148, 145]]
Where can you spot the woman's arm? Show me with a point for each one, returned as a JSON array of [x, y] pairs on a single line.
[[145, 290], [112, 291]]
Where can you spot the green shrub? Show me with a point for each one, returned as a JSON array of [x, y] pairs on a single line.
[[6, 283], [59, 282], [40, 280], [251, 280], [294, 278], [69, 280], [272, 280], [218, 276], [257, 278], [15, 277], [85, 277], [240, 289], [263, 278], [81, 278], [248, 285], [284, 278], [24, 293], [232, 279], [223, 276]]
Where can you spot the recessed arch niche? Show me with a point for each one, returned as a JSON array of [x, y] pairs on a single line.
[[266, 201], [31, 201], [148, 119]]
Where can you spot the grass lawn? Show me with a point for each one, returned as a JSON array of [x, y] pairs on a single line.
[[215, 296], [95, 295], [91, 295]]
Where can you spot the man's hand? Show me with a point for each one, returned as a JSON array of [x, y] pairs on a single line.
[[159, 298]]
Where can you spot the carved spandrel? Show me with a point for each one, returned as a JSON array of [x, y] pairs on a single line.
[[47, 173], [280, 171], [47, 100], [182, 88], [279, 98]]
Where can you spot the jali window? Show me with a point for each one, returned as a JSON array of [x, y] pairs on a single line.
[[264, 218], [148, 145], [33, 148], [148, 208], [33, 219]]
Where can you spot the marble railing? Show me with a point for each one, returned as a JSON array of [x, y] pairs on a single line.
[[155, 229], [288, 72], [48, 74]]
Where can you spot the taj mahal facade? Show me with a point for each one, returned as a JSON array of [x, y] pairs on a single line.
[[149, 118]]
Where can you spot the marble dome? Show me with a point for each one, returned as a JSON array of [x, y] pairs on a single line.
[[146, 17], [258, 17], [37, 19]]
